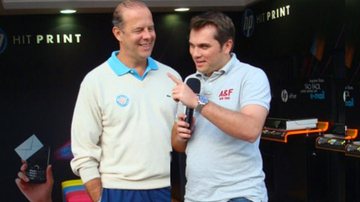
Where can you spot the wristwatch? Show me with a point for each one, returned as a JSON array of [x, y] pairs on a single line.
[[202, 101]]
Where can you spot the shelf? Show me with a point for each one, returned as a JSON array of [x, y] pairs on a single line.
[[353, 149], [282, 135], [339, 143]]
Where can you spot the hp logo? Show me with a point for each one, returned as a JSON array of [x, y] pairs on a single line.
[[248, 22], [3, 41]]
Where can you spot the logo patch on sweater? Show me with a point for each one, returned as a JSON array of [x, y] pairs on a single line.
[[122, 100], [225, 94]]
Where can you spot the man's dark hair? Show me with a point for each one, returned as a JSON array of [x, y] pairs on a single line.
[[223, 24]]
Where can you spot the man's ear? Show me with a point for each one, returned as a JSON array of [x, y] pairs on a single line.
[[117, 33], [228, 46]]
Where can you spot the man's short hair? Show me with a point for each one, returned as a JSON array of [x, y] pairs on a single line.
[[223, 24], [118, 19]]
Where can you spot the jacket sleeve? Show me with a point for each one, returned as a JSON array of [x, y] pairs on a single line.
[[86, 130]]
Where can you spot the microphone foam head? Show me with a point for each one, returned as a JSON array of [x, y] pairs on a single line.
[[194, 84]]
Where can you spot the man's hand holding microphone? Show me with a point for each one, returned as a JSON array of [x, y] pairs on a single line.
[[187, 94]]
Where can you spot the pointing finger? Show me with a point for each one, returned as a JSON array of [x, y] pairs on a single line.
[[174, 79]]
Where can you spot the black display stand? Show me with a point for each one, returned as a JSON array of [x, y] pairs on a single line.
[[292, 166]]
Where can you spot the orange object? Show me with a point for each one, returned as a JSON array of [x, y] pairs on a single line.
[[351, 134], [321, 127]]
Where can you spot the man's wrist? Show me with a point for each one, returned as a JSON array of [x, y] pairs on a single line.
[[202, 101]]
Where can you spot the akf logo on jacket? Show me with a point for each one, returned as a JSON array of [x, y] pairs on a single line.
[[225, 94], [3, 41]]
